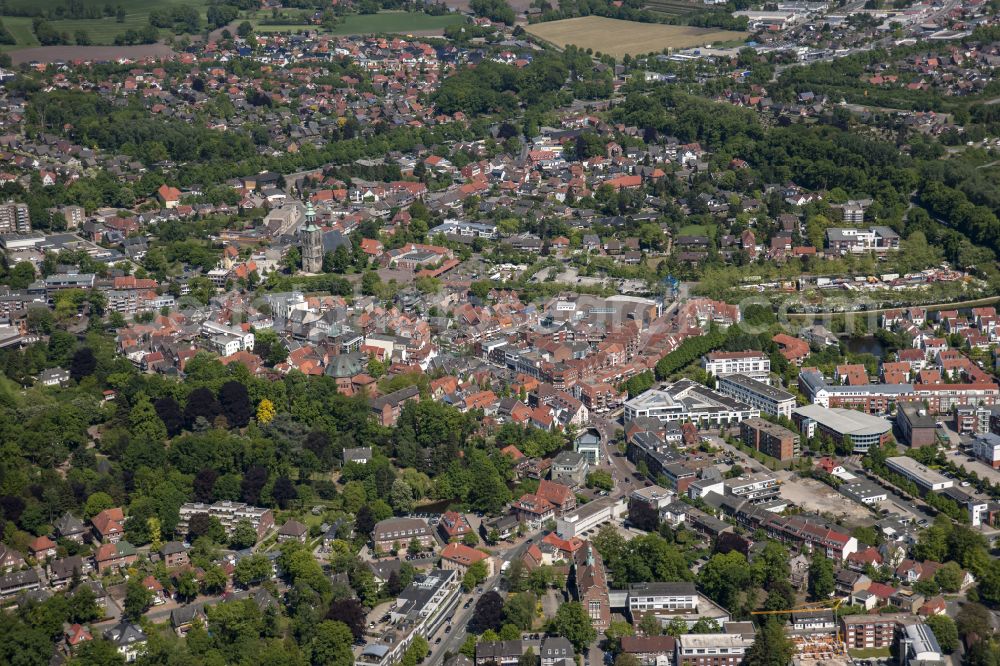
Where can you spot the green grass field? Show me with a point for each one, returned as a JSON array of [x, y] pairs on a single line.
[[101, 31], [20, 27], [387, 22], [695, 230]]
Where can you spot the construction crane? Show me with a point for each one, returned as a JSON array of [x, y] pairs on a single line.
[[831, 604]]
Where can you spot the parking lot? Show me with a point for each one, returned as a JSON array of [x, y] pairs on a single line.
[[961, 460], [818, 497]]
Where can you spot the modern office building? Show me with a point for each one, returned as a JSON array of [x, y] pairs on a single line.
[[863, 430], [927, 479], [687, 400], [767, 399]]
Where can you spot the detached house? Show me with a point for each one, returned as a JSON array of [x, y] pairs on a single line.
[[109, 525]]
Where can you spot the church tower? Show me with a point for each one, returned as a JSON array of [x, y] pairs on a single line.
[[312, 243]]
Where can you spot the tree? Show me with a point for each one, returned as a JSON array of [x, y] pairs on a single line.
[[974, 620], [945, 631], [331, 644], [676, 627], [600, 479], [252, 569], [573, 623], [371, 284], [83, 364], [488, 613], [475, 575], [170, 413], [146, 426], [83, 605], [96, 503], [253, 482], [137, 599], [98, 652], [284, 491], [201, 402], [187, 585], [364, 521], [401, 496], [265, 412], [244, 535], [214, 580], [351, 613], [821, 579], [204, 484], [771, 647], [235, 402], [949, 577], [519, 610]]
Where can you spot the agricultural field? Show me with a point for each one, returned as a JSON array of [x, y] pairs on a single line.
[[672, 7], [20, 27], [387, 22], [619, 38], [100, 30]]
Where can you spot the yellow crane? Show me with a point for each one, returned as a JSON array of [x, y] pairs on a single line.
[[831, 604]]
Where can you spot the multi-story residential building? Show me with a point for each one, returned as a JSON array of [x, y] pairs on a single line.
[[14, 218], [687, 400], [803, 531], [420, 610], [866, 632], [862, 430], [115, 556], [650, 650], [753, 364], [228, 514], [388, 408], [395, 533], [19, 581], [227, 339], [872, 239], [755, 488], [453, 525], [501, 653], [767, 399], [987, 448], [654, 497], [711, 649], [533, 510], [770, 438], [555, 649], [72, 216], [459, 557]]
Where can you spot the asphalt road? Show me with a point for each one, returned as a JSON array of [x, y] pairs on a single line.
[[452, 641]]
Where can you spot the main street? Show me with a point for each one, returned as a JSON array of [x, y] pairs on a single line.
[[451, 641]]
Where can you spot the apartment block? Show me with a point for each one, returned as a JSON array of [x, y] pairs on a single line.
[[754, 364], [770, 439], [229, 514], [14, 218]]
